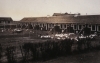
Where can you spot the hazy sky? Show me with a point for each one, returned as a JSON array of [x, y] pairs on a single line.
[[17, 9]]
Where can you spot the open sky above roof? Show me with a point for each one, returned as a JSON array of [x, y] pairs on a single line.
[[17, 9]]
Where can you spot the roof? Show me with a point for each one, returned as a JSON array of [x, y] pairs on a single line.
[[64, 19], [6, 19], [63, 14]]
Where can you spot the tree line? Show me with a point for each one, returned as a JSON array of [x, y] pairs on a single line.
[[48, 49]]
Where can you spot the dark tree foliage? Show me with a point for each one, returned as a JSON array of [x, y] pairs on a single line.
[[10, 54], [50, 49], [0, 51]]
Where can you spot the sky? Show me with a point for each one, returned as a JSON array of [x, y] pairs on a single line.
[[18, 9]]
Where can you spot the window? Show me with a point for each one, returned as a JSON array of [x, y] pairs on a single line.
[[98, 28], [43, 25], [52, 25], [93, 28], [49, 25], [79, 27], [68, 25], [75, 27], [61, 26], [64, 25], [8, 21], [40, 25], [84, 26]]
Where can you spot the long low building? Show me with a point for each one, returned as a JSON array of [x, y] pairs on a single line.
[[64, 22], [59, 22]]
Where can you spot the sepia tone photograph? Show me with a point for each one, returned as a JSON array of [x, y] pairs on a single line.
[[49, 31]]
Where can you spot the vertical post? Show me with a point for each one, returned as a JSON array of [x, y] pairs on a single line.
[[4, 24]]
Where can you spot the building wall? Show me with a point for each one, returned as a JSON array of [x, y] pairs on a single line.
[[67, 27], [5, 22]]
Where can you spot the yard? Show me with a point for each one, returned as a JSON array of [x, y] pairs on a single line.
[[29, 36]]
